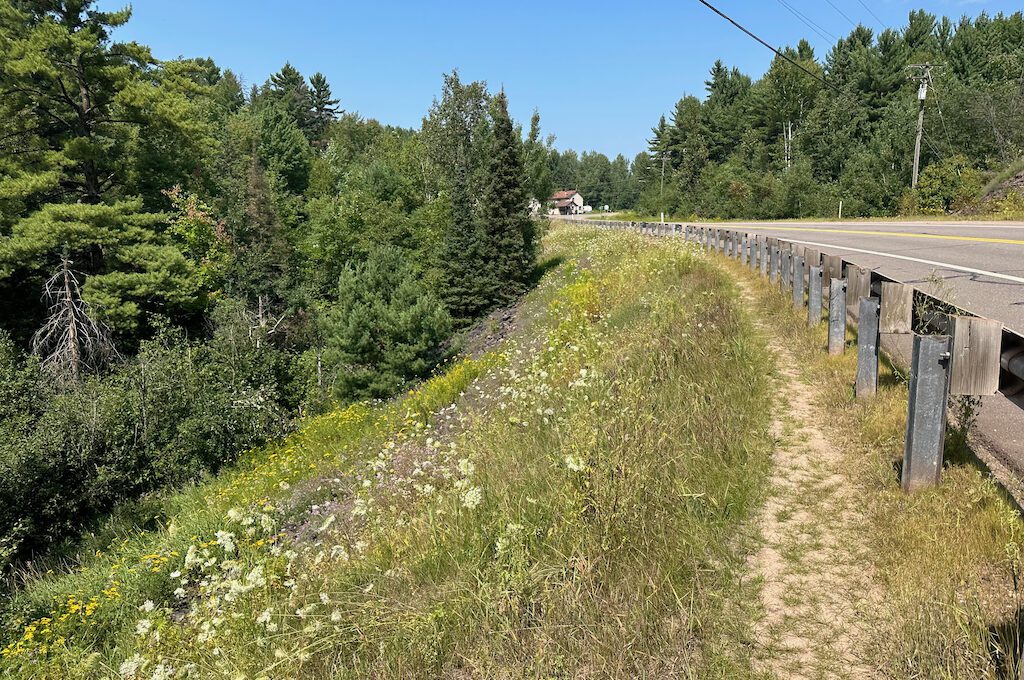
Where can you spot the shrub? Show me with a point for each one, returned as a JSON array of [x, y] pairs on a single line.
[[386, 329], [950, 185], [170, 415]]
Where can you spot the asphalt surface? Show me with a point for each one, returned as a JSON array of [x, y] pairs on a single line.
[[977, 266]]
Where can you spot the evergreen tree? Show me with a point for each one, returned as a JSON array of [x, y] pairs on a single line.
[[463, 271], [386, 329], [323, 107], [507, 247]]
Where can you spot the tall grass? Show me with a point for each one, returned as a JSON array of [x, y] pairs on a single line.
[[572, 505], [947, 559]]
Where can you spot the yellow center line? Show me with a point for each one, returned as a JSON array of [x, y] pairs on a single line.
[[898, 234]]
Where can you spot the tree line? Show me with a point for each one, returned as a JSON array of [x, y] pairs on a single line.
[[186, 265], [790, 144]]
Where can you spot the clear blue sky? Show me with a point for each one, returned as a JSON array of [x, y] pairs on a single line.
[[599, 72]]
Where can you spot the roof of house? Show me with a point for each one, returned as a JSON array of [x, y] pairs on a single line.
[[562, 195], [564, 203]]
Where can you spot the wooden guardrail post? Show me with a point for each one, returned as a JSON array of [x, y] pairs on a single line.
[[814, 295], [837, 316], [763, 256], [867, 347], [785, 268], [926, 412], [798, 281], [975, 356], [744, 248], [776, 256]]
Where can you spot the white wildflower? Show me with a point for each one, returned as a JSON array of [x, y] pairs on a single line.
[[143, 627], [131, 667], [147, 606], [472, 497], [575, 463], [226, 540]]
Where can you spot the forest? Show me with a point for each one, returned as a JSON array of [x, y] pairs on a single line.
[[794, 143], [187, 267]]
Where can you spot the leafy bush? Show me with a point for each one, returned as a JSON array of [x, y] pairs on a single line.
[[386, 329], [171, 414], [949, 185]]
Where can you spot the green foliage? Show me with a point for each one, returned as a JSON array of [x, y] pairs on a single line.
[[507, 247], [169, 415], [386, 329], [948, 186], [131, 267]]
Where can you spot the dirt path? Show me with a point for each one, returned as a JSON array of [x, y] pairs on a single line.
[[816, 593]]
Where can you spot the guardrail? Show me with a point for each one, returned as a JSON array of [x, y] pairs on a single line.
[[955, 352]]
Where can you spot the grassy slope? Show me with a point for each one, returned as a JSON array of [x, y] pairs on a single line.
[[571, 505], [949, 559]]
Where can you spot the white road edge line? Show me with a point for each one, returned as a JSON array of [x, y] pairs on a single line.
[[944, 265]]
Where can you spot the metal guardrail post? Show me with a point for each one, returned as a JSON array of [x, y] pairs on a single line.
[[926, 412], [798, 281], [867, 347], [837, 316], [814, 296]]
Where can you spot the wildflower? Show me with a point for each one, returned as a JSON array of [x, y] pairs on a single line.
[[162, 672], [575, 463], [131, 667], [179, 592], [226, 540], [143, 627], [472, 497], [264, 617], [147, 606], [466, 467]]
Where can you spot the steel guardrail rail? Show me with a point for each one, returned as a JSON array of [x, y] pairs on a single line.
[[936, 320]]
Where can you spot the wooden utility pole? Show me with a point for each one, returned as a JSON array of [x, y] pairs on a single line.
[[922, 73]]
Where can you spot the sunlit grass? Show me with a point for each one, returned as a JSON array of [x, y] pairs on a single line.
[[947, 559], [574, 504]]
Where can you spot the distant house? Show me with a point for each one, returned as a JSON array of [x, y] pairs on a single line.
[[567, 202]]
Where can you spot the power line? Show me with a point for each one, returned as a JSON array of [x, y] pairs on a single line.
[[844, 15], [773, 49], [825, 35], [881, 24]]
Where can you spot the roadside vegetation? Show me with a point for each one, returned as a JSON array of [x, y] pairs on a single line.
[[947, 561], [187, 266], [569, 504]]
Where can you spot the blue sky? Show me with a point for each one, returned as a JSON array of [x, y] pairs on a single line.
[[599, 72]]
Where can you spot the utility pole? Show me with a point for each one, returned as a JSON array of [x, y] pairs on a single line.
[[922, 73]]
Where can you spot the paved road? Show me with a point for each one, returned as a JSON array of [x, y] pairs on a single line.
[[978, 266]]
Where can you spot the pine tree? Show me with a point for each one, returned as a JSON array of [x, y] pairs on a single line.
[[386, 330], [463, 276], [507, 245], [323, 107]]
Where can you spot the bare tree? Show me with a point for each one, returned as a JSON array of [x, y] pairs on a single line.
[[70, 342]]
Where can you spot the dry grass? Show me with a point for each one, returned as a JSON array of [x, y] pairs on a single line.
[[948, 559]]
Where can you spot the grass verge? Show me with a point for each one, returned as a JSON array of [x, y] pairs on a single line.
[[948, 559], [570, 505]]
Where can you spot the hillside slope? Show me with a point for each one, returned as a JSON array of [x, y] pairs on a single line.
[[573, 503]]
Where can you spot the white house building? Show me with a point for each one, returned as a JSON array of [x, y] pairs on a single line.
[[567, 202]]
